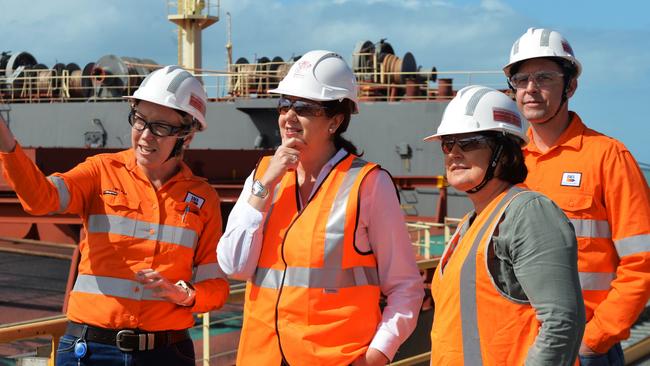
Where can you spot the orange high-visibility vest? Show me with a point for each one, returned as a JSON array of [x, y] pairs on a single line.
[[474, 324], [599, 186], [314, 299]]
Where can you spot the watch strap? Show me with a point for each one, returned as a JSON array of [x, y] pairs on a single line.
[[259, 190]]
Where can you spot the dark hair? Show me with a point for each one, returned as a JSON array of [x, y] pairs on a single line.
[[344, 107], [511, 167]]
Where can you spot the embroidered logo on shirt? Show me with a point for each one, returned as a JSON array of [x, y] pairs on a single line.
[[108, 191], [194, 199], [571, 179]]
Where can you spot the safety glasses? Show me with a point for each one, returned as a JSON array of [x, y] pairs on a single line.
[[541, 79], [466, 144], [302, 108], [159, 129]]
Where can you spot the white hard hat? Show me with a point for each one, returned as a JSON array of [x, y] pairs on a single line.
[[478, 108], [322, 76], [539, 42], [175, 88]]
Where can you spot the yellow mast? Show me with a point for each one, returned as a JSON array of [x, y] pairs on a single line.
[[192, 16]]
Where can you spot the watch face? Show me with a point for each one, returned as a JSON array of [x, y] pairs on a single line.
[[259, 190]]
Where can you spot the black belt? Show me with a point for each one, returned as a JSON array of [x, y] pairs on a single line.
[[127, 340]]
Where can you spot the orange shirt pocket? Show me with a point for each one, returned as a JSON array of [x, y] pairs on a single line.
[[573, 203], [121, 219]]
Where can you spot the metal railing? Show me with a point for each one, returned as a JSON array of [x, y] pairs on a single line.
[[242, 81]]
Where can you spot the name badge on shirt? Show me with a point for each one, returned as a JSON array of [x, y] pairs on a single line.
[[196, 200], [571, 179]]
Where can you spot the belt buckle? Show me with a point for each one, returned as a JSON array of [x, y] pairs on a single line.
[[119, 339]]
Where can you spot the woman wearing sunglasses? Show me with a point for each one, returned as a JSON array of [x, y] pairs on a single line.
[[506, 290], [319, 235], [147, 257]]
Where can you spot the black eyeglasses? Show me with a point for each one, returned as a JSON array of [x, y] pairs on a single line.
[[303, 108], [466, 144], [159, 129], [541, 79]]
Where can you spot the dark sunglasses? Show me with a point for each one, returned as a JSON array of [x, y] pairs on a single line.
[[303, 108], [159, 129], [466, 144]]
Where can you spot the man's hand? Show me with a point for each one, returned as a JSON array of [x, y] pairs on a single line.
[[586, 351], [162, 287], [7, 139], [372, 357]]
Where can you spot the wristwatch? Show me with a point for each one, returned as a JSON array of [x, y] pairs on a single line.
[[191, 293], [259, 190]]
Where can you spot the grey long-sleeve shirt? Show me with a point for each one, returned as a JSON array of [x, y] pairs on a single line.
[[534, 258]]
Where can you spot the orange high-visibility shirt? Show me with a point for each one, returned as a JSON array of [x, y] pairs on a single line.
[[598, 184], [130, 226]]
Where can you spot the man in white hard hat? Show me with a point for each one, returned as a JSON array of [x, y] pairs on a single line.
[[597, 183], [148, 257]]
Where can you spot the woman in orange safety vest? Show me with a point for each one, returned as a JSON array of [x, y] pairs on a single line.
[[506, 290], [148, 257], [319, 234]]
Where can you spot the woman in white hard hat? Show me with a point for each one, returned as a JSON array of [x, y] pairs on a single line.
[[507, 290], [319, 235], [148, 257]]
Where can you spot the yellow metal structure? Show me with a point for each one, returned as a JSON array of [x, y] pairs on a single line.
[[191, 17]]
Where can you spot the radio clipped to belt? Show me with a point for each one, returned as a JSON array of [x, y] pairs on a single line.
[[80, 346]]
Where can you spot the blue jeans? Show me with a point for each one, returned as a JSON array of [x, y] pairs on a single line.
[[98, 354], [613, 357]]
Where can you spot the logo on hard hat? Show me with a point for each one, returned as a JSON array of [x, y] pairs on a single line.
[[197, 103], [301, 67], [567, 47], [506, 116]]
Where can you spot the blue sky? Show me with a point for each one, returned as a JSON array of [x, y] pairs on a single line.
[[611, 41]]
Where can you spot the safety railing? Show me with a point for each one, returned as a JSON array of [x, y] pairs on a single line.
[[426, 237], [242, 81]]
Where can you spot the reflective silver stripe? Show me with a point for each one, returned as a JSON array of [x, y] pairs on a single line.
[[335, 228], [596, 280], [62, 190], [591, 228], [110, 286], [632, 245], [325, 278], [468, 308], [207, 272], [544, 38], [115, 224], [515, 47], [473, 102], [178, 79]]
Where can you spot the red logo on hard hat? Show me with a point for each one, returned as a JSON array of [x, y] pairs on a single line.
[[197, 103], [567, 48], [303, 65], [506, 116]]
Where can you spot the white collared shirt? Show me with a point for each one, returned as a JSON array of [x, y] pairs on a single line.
[[381, 228]]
